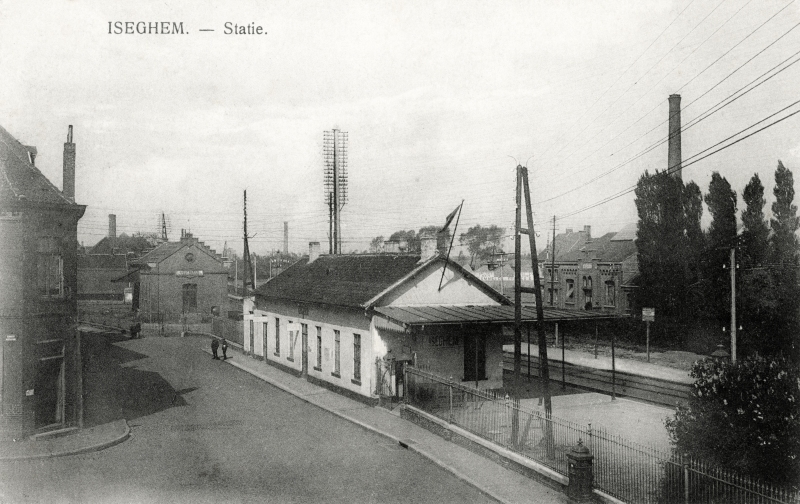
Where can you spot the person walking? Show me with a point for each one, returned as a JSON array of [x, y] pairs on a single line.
[[214, 346], [224, 349]]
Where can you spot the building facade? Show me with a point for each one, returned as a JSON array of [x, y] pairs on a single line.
[[181, 280], [593, 274], [320, 319], [40, 360]]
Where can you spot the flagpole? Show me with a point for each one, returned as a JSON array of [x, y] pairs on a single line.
[[452, 238]]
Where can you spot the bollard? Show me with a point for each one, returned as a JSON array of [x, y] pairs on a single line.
[[580, 473]]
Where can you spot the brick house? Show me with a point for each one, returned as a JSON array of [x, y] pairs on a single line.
[[591, 273], [40, 362], [183, 277], [322, 318]]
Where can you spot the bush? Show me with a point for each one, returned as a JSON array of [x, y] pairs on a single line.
[[744, 417]]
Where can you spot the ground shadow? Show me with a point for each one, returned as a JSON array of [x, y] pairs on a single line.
[[113, 391]]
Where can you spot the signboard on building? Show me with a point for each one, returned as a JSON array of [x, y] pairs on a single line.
[[189, 273], [648, 314]]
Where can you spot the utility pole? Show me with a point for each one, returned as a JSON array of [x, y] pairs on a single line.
[[553, 268], [335, 182], [544, 370], [733, 304], [248, 265]]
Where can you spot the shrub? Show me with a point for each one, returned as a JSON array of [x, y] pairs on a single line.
[[743, 416]]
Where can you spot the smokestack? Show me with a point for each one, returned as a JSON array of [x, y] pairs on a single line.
[[112, 226], [674, 157], [285, 237], [313, 251], [69, 167], [587, 230]]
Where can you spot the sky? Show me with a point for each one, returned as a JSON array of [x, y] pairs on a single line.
[[441, 101]]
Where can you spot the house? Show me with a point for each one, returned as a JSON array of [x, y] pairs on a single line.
[[591, 273], [40, 362], [97, 274], [342, 321], [183, 279]]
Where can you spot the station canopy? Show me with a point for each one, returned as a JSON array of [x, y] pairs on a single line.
[[407, 316]]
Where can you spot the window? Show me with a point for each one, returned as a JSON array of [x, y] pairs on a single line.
[[189, 297], [277, 336], [554, 293], [569, 297], [357, 358], [336, 353], [587, 292], [50, 268], [292, 337], [319, 349], [611, 293], [264, 337]]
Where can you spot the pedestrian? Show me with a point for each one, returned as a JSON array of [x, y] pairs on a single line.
[[214, 346], [224, 349]]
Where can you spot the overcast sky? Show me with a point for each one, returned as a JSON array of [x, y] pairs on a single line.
[[441, 100]]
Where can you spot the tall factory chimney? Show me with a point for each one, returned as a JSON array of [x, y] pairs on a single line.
[[674, 157], [112, 226], [69, 167], [286, 237]]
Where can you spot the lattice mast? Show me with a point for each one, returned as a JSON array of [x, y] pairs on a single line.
[[334, 153]]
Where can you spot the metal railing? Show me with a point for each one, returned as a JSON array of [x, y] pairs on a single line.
[[629, 471]]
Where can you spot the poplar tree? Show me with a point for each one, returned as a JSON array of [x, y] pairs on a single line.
[[784, 224], [722, 236]]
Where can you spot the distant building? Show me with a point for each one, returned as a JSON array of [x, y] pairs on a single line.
[[177, 278], [40, 362], [591, 273], [97, 274], [351, 322]]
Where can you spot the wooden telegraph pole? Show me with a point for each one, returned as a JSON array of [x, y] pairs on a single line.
[[524, 187]]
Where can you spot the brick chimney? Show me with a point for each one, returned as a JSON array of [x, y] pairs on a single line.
[[674, 155], [587, 230], [112, 226], [69, 167], [427, 247], [313, 251]]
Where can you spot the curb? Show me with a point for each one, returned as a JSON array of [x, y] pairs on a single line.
[[77, 451], [404, 443]]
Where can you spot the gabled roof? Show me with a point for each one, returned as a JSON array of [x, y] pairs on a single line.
[[122, 244], [166, 249], [20, 180], [355, 280], [611, 247], [102, 261]]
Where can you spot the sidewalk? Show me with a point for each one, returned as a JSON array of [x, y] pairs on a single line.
[[491, 479], [70, 443]]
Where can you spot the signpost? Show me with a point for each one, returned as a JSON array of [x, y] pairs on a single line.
[[648, 315]]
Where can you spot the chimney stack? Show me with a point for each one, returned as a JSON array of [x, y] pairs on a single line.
[[69, 167], [313, 251], [588, 232], [427, 247], [674, 156], [285, 237], [112, 226]]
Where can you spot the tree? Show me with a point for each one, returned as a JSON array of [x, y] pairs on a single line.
[[755, 231], [376, 245], [784, 224], [722, 236], [409, 242], [481, 242], [743, 416], [668, 240]]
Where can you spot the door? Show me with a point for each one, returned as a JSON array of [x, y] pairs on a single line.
[[49, 392], [474, 357]]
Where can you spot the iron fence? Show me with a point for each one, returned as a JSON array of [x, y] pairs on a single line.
[[629, 471]]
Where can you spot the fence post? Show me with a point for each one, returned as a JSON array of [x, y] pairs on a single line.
[[685, 482], [450, 390]]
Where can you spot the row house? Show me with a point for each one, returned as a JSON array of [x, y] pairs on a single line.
[[40, 362], [592, 274]]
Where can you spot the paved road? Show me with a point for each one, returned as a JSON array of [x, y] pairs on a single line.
[[203, 431]]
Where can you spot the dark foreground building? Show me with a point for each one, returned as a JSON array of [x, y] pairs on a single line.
[[40, 372]]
